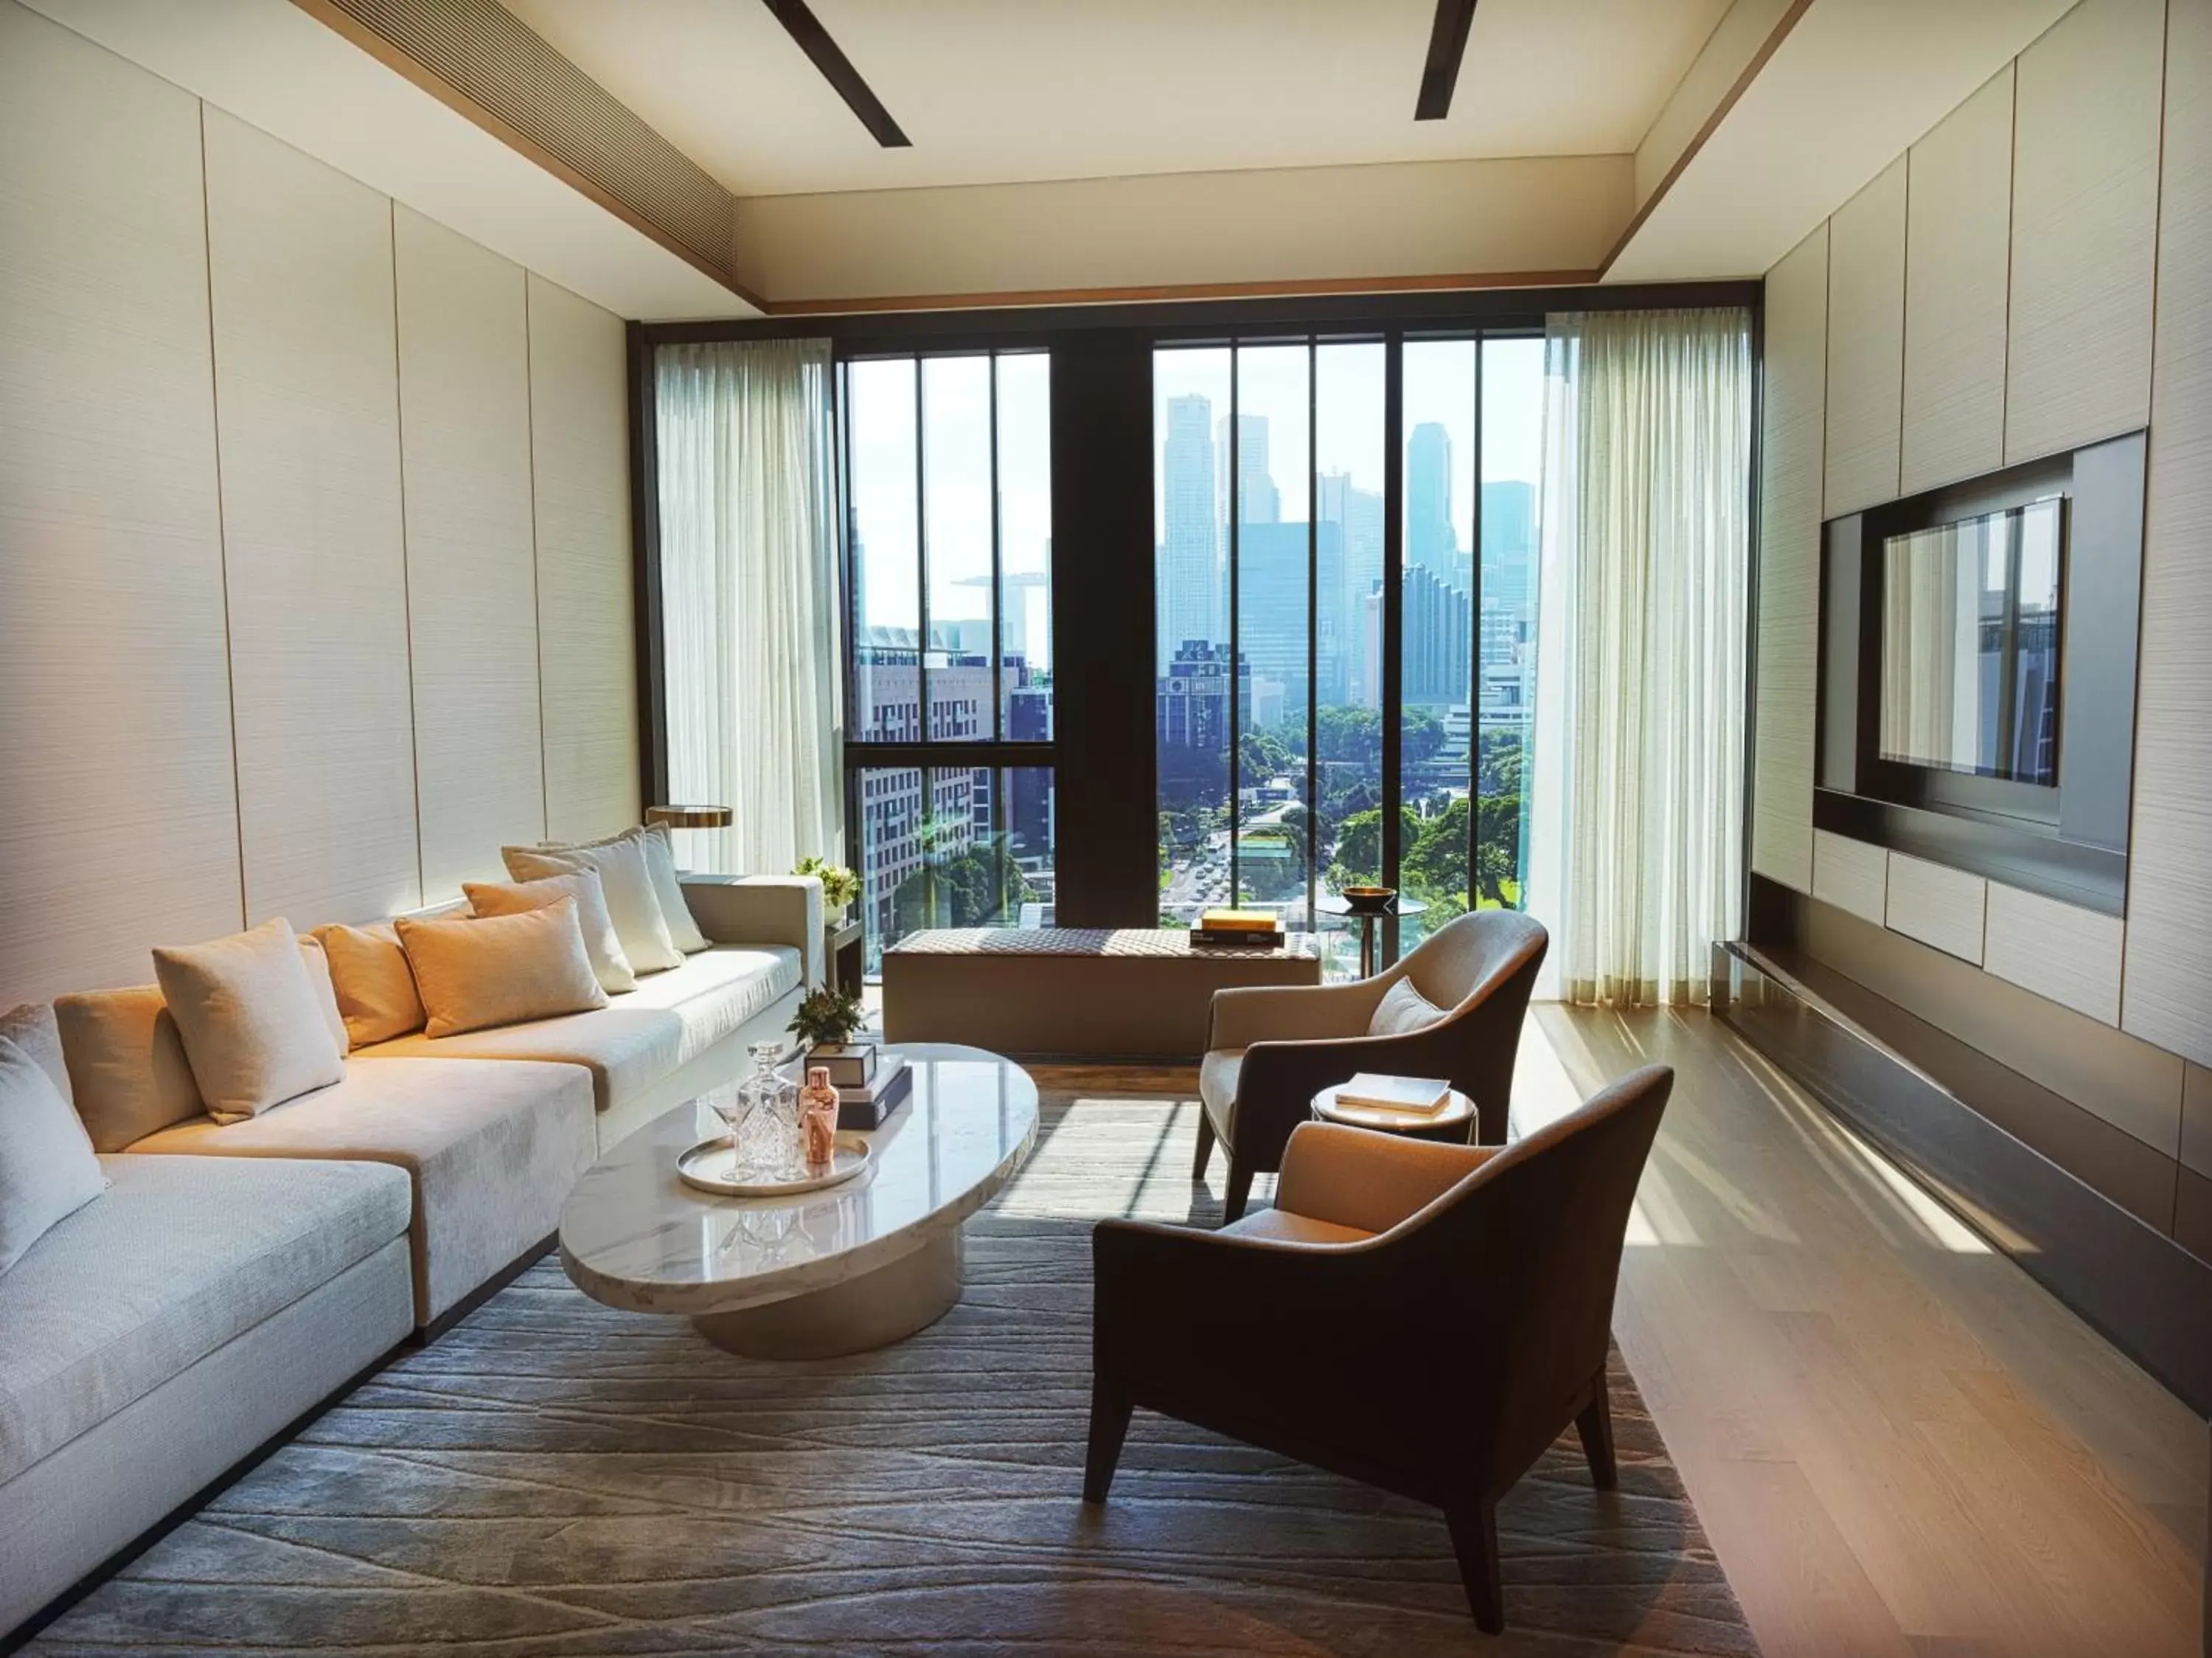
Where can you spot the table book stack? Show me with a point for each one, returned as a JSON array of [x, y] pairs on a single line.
[[865, 1106], [1242, 930], [1411, 1100]]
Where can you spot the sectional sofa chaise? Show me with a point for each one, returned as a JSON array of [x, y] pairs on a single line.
[[233, 1277]]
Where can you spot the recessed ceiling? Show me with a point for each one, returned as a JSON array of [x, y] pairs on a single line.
[[1007, 91]]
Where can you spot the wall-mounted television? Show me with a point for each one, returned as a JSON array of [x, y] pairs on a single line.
[[1970, 644]]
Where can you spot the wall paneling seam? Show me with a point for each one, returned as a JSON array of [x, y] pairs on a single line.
[[221, 526], [406, 574], [536, 557]]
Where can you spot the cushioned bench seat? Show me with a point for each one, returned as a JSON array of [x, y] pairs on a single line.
[[172, 1262], [639, 1037], [491, 1150]]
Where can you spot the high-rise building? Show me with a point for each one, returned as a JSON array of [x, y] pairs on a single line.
[[1357, 516], [1435, 633], [1509, 543], [1259, 502], [1189, 580], [1271, 583], [1194, 708], [1430, 541]]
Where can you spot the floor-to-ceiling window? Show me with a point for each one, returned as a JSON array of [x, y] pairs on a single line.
[[1300, 612], [948, 489]]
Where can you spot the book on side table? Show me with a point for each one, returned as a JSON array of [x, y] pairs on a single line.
[[1416, 1099]]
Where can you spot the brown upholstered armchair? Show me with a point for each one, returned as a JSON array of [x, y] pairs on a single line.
[[1425, 1318], [1272, 1049]]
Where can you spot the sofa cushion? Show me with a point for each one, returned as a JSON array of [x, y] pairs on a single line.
[[47, 1167], [628, 884], [500, 970], [491, 1150], [127, 1068], [253, 1031], [180, 1255], [602, 945], [1281, 1226], [325, 988], [667, 1021]]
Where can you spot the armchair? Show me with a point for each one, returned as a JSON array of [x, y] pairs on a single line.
[[1421, 1317], [1271, 1049]]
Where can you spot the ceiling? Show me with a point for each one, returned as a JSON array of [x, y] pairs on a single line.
[[1012, 91]]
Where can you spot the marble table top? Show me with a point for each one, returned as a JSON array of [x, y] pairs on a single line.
[[635, 1235]]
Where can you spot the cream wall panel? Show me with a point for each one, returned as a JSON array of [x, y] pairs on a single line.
[[471, 555], [2069, 955], [2169, 938], [1794, 403], [579, 395], [307, 419], [2085, 220], [1851, 874], [1958, 251], [1866, 344], [117, 824], [1937, 905]]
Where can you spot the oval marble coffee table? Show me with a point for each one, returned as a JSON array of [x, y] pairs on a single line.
[[839, 1271]]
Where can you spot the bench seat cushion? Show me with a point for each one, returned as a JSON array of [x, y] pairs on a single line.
[[668, 1021], [176, 1257], [491, 1150]]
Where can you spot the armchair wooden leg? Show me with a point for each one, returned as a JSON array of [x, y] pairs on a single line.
[[1109, 1424], [1595, 1425], [1205, 1147], [1474, 1540], [1240, 1190]]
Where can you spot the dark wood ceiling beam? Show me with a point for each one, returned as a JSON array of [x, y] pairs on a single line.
[[805, 29], [1447, 46]]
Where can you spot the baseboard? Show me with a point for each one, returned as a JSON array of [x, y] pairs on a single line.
[[19, 1637], [1875, 1065]]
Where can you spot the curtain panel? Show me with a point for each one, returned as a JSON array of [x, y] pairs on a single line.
[[749, 610], [1647, 475]]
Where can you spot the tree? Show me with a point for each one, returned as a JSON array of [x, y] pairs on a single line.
[[1420, 735], [975, 888], [1359, 843], [1260, 755]]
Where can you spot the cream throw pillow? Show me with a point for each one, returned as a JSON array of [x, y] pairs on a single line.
[[500, 970], [34, 1028], [1402, 1010], [247, 1008], [375, 987], [126, 1063], [629, 889], [46, 1166], [601, 943], [667, 885]]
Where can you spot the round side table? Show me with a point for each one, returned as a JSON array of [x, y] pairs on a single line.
[[1456, 1123], [1332, 905]]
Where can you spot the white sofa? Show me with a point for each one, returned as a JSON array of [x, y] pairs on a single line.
[[235, 1277]]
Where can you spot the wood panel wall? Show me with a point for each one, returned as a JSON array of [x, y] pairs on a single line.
[[2057, 289], [272, 519], [1866, 345], [1792, 461]]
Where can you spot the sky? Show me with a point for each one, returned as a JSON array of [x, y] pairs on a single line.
[[956, 395]]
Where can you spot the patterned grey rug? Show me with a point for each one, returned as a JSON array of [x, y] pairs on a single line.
[[557, 1478]]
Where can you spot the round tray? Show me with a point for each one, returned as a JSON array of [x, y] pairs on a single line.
[[708, 1166]]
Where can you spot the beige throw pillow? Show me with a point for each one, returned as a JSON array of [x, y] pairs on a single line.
[[327, 994], [500, 970], [374, 985], [631, 900], [601, 943], [667, 884], [126, 1063], [34, 1028], [1403, 1009], [46, 1166], [245, 1006]]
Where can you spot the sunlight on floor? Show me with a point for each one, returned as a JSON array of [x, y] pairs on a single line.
[[1128, 1156]]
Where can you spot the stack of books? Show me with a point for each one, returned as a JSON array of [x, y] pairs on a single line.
[[1409, 1100], [865, 1105], [1245, 929]]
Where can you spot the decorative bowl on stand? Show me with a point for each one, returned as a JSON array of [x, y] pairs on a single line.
[[1368, 901]]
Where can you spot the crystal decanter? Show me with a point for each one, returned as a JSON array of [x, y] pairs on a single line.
[[765, 1129]]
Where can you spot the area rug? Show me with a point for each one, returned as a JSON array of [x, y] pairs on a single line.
[[553, 1477]]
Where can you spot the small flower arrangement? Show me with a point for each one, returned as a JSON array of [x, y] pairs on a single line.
[[840, 885], [827, 1018]]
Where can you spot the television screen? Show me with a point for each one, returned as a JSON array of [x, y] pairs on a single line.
[[1970, 644]]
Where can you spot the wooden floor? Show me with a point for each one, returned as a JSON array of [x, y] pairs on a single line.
[[1897, 1442]]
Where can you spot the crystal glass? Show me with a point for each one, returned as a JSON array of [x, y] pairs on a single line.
[[766, 1132]]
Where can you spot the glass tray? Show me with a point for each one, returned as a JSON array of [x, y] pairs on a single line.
[[711, 1167]]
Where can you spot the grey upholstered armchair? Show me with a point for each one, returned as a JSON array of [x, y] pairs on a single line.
[[1272, 1049], [1428, 1319]]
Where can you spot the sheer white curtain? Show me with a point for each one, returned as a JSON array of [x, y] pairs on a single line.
[[748, 562], [1640, 741]]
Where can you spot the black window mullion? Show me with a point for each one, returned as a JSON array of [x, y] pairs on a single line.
[[1475, 653], [1236, 659], [921, 577], [1312, 624], [998, 593], [1393, 554]]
